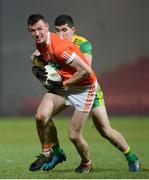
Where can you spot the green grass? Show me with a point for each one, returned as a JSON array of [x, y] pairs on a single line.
[[19, 144]]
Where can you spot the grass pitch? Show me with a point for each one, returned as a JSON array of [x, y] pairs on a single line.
[[19, 144]]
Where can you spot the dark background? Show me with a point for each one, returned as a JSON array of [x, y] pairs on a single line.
[[118, 30]]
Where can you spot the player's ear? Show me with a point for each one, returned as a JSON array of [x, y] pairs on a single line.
[[73, 29], [47, 26]]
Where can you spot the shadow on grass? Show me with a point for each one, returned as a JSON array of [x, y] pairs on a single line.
[[94, 170], [64, 170], [104, 170], [144, 169]]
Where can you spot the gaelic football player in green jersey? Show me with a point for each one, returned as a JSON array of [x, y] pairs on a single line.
[[65, 27]]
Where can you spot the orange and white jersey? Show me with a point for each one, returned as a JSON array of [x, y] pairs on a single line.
[[63, 52]]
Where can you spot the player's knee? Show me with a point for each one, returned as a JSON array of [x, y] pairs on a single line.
[[73, 139], [73, 136], [41, 119]]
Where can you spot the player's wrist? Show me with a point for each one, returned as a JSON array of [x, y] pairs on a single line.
[[65, 86], [63, 83]]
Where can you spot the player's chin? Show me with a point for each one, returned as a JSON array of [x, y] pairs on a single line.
[[39, 41]]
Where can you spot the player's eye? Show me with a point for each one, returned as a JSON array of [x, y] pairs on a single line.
[[57, 30], [31, 30], [64, 29], [40, 29]]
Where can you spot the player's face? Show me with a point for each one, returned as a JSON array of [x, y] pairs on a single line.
[[65, 31], [39, 31]]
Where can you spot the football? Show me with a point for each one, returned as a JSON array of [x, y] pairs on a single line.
[[52, 74]]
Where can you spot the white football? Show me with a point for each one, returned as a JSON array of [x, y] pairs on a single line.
[[52, 74]]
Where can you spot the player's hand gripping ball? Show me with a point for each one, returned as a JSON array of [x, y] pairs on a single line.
[[38, 61], [49, 77]]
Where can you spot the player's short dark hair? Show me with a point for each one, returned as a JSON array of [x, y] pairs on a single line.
[[64, 19], [34, 18]]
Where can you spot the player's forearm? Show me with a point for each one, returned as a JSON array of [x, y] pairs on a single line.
[[77, 77], [83, 70]]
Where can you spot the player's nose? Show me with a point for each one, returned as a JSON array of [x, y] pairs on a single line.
[[61, 33], [37, 33]]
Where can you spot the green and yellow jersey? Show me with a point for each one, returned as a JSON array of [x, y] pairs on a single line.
[[82, 43]]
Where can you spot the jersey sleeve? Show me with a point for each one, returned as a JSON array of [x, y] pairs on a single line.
[[86, 47], [65, 54]]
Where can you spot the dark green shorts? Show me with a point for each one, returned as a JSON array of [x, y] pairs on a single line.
[[99, 99]]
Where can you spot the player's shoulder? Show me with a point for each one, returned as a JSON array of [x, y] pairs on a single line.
[[84, 45], [81, 41], [77, 39], [57, 39], [59, 43]]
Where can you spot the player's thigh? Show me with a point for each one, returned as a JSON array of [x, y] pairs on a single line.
[[50, 104], [100, 117], [77, 123]]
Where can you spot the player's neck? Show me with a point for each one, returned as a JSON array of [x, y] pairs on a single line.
[[48, 38]]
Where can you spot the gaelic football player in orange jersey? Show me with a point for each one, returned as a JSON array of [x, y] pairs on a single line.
[[76, 90], [65, 27]]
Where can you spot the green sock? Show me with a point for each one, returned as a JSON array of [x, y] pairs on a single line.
[[130, 156], [57, 149]]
